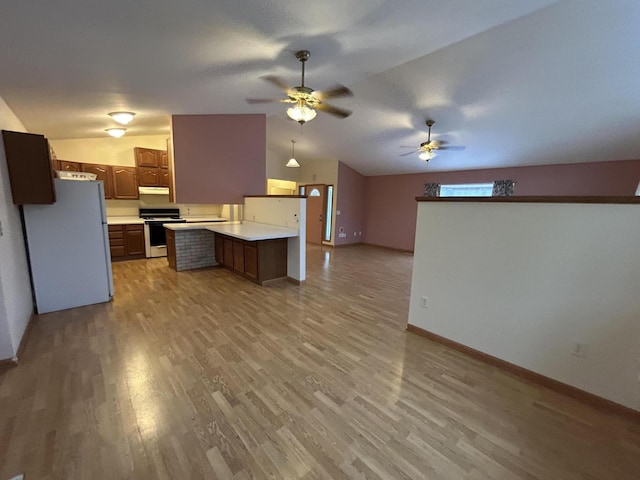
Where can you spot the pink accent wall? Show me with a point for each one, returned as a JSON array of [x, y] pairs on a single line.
[[391, 209], [219, 158], [351, 203]]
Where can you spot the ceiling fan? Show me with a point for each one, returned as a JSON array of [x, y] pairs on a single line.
[[428, 149], [306, 100]]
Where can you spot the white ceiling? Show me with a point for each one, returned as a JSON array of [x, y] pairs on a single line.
[[516, 82]]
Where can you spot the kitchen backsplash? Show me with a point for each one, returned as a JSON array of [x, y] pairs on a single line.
[[129, 208]]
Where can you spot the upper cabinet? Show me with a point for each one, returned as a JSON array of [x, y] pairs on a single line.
[[30, 169], [153, 168], [102, 172], [125, 183], [66, 166], [147, 157], [164, 159]]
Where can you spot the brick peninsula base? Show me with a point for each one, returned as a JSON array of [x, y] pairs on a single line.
[[190, 249]]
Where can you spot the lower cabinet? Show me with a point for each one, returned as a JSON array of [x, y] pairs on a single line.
[[171, 248], [259, 260], [126, 242]]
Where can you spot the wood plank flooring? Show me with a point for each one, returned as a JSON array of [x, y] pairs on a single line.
[[204, 375]]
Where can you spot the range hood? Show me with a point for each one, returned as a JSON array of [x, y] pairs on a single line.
[[153, 190]]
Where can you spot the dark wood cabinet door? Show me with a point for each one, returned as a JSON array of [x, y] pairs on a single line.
[[171, 248], [67, 166], [29, 168], [134, 240], [238, 256], [163, 178], [148, 177], [146, 157], [102, 172], [219, 248], [163, 159], [251, 261], [125, 183], [227, 252]]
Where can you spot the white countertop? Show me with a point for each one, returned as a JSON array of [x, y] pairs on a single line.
[[252, 231], [203, 218], [124, 221], [194, 225]]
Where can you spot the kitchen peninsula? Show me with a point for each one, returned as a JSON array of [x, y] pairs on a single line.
[[269, 247], [254, 250]]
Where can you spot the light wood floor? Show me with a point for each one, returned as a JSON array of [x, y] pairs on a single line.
[[205, 375]]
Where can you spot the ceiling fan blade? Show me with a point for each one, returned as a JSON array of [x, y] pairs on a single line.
[[277, 81], [408, 153], [336, 91], [261, 100], [453, 147], [330, 109]]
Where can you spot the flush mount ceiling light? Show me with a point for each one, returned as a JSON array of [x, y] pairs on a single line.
[[123, 118], [306, 101], [116, 132], [293, 163]]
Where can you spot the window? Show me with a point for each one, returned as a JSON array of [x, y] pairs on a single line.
[[467, 190], [314, 192], [328, 214]]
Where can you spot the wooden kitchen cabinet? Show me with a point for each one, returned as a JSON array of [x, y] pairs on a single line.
[[125, 183], [219, 249], [163, 159], [258, 261], [238, 256], [134, 240], [67, 166], [164, 178], [153, 167], [147, 157], [171, 248], [148, 177], [103, 173], [227, 250], [29, 166], [126, 242], [251, 261]]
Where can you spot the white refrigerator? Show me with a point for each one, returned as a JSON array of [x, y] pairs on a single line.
[[68, 244]]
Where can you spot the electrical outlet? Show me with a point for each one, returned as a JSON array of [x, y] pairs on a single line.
[[355, 234], [579, 349], [424, 302], [337, 212]]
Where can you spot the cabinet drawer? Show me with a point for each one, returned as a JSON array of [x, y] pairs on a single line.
[[115, 228], [116, 242], [116, 235], [135, 227]]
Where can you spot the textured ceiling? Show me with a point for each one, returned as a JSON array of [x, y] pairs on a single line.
[[516, 83]]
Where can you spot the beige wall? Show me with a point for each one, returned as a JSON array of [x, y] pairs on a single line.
[[106, 150], [524, 282]]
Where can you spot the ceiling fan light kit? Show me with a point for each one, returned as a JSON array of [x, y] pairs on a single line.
[[301, 113], [427, 150]]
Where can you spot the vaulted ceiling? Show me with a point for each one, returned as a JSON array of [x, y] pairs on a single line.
[[515, 83]]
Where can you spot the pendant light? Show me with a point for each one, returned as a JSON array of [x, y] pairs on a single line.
[[293, 163]]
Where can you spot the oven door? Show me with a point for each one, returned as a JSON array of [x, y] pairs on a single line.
[[156, 237]]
